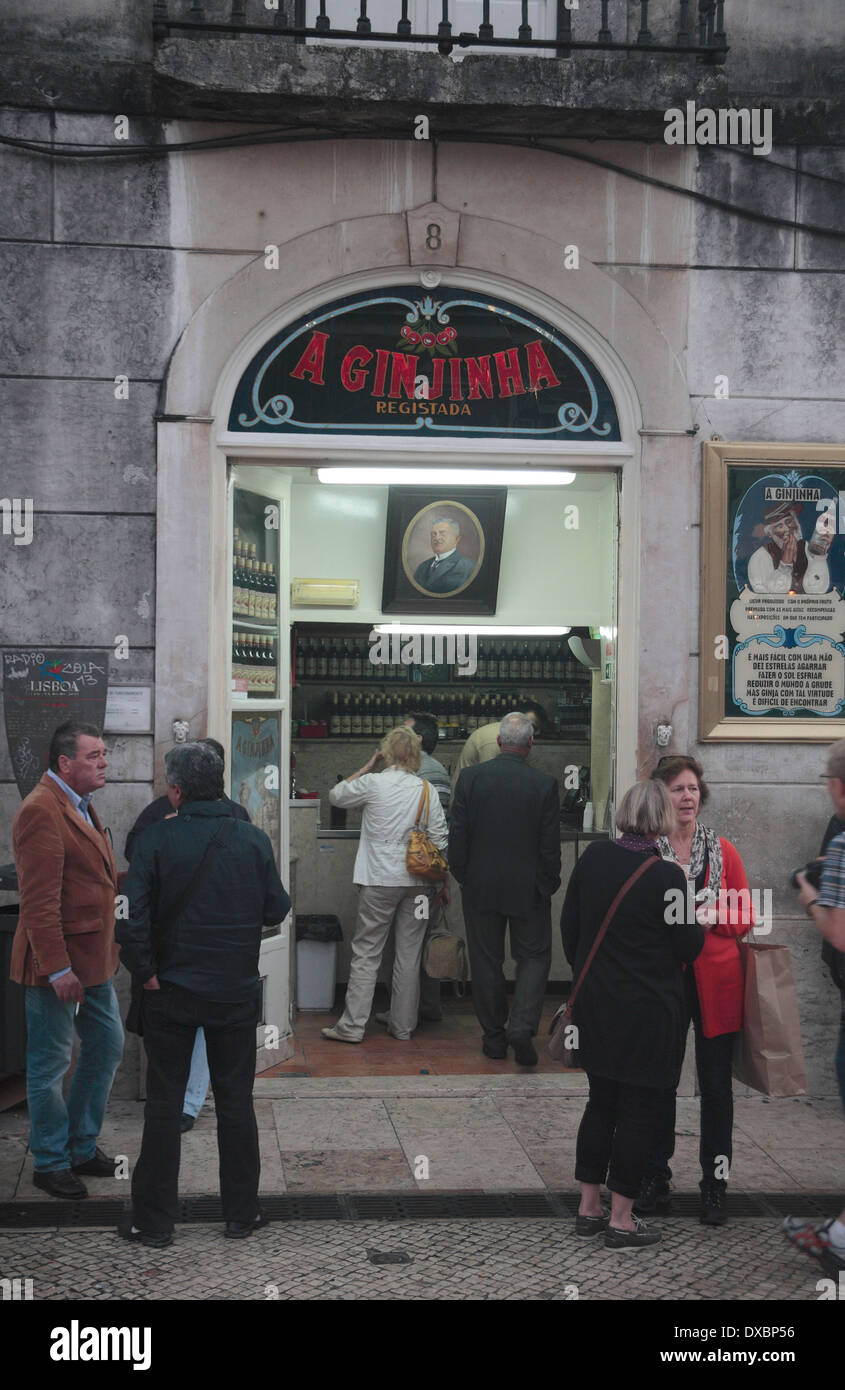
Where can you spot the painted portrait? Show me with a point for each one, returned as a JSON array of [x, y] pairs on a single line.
[[442, 550]]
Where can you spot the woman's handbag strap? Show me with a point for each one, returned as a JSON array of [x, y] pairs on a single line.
[[422, 809], [628, 884]]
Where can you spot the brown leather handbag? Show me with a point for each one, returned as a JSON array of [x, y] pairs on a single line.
[[422, 858]]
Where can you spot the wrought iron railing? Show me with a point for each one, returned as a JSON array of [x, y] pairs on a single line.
[[698, 28]]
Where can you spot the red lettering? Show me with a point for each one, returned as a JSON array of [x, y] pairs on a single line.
[[382, 359], [351, 375], [507, 370], [455, 376], [313, 360], [436, 386], [478, 375], [403, 373], [540, 372]]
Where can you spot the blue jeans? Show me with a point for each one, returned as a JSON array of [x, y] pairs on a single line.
[[62, 1132], [197, 1087]]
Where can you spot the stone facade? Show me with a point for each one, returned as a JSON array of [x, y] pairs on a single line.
[[153, 268]]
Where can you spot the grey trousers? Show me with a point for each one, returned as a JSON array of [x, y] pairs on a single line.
[[430, 1006], [378, 910], [531, 948]]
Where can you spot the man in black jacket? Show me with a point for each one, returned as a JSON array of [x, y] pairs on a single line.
[[200, 888], [504, 850], [159, 810]]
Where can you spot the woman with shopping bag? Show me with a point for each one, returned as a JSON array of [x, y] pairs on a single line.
[[714, 988]]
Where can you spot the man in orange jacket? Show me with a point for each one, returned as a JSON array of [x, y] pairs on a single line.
[[65, 954]]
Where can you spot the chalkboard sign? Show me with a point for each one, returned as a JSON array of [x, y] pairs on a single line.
[[43, 689]]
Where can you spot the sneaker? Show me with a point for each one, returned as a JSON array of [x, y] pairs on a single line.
[[590, 1226], [814, 1238], [615, 1239], [655, 1195], [334, 1036], [714, 1204], [383, 1019]]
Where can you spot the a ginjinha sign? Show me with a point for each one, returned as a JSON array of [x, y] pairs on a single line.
[[395, 361]]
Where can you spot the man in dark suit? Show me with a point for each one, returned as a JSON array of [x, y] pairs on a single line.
[[64, 953], [448, 569], [200, 888], [504, 850]]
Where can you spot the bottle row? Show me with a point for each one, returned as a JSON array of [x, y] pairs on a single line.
[[254, 661], [347, 659], [457, 715], [255, 589]]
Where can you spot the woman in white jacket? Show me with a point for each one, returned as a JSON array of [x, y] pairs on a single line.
[[388, 893]]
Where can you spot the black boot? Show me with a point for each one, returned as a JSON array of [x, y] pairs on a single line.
[[714, 1203], [654, 1196]]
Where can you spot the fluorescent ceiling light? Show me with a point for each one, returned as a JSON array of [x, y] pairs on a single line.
[[470, 629], [453, 477]]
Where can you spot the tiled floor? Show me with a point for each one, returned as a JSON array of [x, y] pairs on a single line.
[[450, 1048]]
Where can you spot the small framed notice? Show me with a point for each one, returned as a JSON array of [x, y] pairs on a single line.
[[129, 709]]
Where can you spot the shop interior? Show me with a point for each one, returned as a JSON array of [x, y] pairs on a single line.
[[550, 640]]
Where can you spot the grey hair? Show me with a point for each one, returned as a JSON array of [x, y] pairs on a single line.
[[196, 770], [516, 730], [836, 759], [646, 809], [449, 522]]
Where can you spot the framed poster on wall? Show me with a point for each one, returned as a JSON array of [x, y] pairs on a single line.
[[772, 583]]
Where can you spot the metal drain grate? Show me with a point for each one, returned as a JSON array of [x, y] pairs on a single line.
[[410, 1206]]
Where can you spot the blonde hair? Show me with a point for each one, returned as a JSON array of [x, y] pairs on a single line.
[[402, 746], [646, 809]]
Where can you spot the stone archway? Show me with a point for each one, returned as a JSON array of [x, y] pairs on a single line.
[[588, 303]]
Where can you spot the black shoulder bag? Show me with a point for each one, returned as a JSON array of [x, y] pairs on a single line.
[[134, 1022]]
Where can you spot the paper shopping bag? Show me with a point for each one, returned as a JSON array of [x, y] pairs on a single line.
[[768, 1055]]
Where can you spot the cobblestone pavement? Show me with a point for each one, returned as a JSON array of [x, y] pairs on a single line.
[[522, 1259]]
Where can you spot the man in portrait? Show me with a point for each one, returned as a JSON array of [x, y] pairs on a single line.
[[785, 563], [448, 569]]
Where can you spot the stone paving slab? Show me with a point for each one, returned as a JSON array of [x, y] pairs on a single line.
[[456, 1260], [505, 1133]]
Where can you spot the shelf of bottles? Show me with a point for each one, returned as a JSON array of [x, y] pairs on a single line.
[[255, 601], [330, 657], [329, 665]]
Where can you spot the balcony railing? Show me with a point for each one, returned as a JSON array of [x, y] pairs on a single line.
[[549, 26]]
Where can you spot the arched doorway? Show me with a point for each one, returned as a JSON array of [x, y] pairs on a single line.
[[197, 450]]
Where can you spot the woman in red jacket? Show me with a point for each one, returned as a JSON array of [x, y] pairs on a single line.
[[714, 988]]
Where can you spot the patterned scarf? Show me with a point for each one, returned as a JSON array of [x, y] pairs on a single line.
[[639, 843], [706, 846]]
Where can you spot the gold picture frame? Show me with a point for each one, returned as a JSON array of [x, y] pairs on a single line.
[[729, 655]]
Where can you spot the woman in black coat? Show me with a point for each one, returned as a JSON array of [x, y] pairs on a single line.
[[630, 1012]]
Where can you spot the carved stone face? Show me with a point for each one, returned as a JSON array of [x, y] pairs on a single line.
[[181, 728], [664, 734]]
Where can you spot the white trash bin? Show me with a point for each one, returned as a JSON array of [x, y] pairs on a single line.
[[316, 961]]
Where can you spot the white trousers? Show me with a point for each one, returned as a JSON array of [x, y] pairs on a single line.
[[378, 910]]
